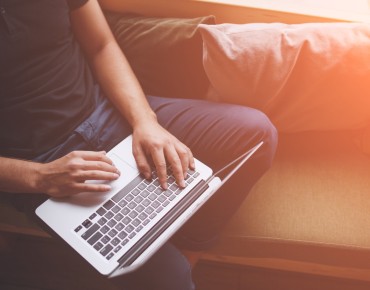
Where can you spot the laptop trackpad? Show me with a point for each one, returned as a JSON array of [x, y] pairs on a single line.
[[90, 199]]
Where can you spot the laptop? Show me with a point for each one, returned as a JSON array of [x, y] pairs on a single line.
[[118, 231]]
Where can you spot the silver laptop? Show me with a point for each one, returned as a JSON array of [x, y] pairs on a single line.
[[118, 231]]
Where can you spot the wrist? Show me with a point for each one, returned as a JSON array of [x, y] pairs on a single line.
[[36, 178], [145, 119]]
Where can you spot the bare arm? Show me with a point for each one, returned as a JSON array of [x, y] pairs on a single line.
[[62, 177], [119, 83]]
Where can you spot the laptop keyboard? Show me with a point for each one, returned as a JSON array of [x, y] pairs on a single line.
[[129, 212]]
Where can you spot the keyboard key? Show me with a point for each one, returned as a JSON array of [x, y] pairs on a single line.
[[122, 203], [109, 215], [92, 216], [124, 242], [143, 216], [139, 228], [149, 210], [102, 221], [159, 209], [105, 229], [129, 228], [129, 197], [145, 203], [136, 222], [78, 229], [106, 250], [98, 246], [90, 231], [139, 208], [96, 237], [142, 186], [108, 205], [174, 187], [145, 193], [110, 256], [133, 234], [138, 199], [126, 220], [112, 233], [112, 223], [87, 223], [161, 198], [152, 197], [101, 211], [119, 227], [167, 193], [105, 239], [158, 191], [116, 249], [118, 216], [125, 211], [116, 209], [122, 235], [115, 241], [151, 188], [133, 214]]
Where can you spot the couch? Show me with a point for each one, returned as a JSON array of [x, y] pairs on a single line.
[[305, 224]]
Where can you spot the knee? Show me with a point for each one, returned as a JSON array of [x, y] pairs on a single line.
[[248, 127]]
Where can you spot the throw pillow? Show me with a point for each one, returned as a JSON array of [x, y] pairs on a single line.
[[165, 53], [313, 76]]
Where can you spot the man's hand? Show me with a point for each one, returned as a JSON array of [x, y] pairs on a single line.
[[153, 144], [67, 175]]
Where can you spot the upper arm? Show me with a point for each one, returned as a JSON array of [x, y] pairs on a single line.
[[91, 28]]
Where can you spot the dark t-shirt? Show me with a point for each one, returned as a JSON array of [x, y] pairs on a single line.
[[46, 87]]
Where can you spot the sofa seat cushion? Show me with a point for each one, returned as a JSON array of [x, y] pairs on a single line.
[[311, 209]]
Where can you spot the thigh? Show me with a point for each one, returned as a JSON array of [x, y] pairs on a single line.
[[217, 134]]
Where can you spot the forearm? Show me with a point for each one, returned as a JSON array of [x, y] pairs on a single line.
[[18, 176], [120, 84]]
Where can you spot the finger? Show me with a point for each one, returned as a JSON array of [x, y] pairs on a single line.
[[191, 159], [90, 187], [94, 156], [176, 164], [96, 175], [142, 162], [185, 157], [99, 165], [160, 166]]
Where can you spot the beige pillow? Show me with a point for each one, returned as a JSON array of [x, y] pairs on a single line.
[[304, 77]]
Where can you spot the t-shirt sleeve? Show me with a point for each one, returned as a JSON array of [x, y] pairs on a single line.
[[74, 4]]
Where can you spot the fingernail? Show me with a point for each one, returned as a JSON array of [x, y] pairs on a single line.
[[164, 186], [115, 175], [182, 183]]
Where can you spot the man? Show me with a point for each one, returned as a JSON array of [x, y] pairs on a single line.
[[57, 124]]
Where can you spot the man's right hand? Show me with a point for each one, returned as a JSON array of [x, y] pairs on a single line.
[[68, 175]]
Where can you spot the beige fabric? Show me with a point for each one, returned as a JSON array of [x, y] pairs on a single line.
[[317, 191], [312, 76]]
